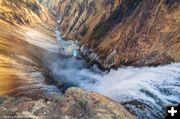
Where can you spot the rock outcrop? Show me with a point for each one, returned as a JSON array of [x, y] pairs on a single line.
[[24, 12], [51, 4], [23, 25], [26, 38], [124, 32], [81, 16], [75, 104]]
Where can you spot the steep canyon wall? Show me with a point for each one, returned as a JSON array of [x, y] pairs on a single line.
[[124, 32]]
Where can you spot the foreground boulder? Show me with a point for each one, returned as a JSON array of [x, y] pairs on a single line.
[[75, 104]]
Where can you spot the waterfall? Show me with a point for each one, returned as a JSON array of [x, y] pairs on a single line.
[[145, 91]]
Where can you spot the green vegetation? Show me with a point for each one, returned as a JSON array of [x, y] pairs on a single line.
[[84, 30], [2, 99], [104, 26], [125, 9], [100, 30], [115, 15], [82, 102]]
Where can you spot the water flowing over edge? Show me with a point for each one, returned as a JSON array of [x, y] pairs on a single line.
[[145, 91]]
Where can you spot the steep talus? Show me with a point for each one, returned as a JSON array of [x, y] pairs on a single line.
[[79, 17], [24, 12], [26, 39], [21, 27], [124, 32], [51, 4]]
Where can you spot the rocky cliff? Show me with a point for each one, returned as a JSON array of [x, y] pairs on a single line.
[[51, 4], [24, 12], [81, 16], [26, 38], [22, 28], [124, 32]]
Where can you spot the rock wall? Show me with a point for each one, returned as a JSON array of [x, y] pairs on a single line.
[[26, 37], [23, 25], [124, 32], [24, 12], [81, 16], [51, 4]]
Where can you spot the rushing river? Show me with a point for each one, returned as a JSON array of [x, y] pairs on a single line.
[[34, 58], [144, 91]]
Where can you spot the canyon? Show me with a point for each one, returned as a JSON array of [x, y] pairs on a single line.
[[27, 89], [21, 26], [124, 32], [50, 4], [89, 59]]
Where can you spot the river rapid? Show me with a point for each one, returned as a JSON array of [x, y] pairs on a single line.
[[144, 91]]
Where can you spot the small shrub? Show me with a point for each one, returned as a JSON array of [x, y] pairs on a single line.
[[104, 26], [115, 15], [84, 30], [100, 30], [82, 102], [2, 99]]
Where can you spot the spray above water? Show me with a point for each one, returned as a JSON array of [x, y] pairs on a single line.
[[67, 47], [145, 91]]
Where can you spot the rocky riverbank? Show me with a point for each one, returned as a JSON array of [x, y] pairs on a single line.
[[75, 104], [27, 90]]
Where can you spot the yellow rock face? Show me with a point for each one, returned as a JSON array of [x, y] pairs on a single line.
[[25, 37], [19, 53], [78, 14], [23, 12], [125, 32], [51, 4]]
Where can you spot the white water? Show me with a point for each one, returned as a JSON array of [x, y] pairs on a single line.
[[145, 91], [130, 81], [154, 87]]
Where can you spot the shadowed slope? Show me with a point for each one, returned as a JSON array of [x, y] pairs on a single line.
[[125, 32]]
